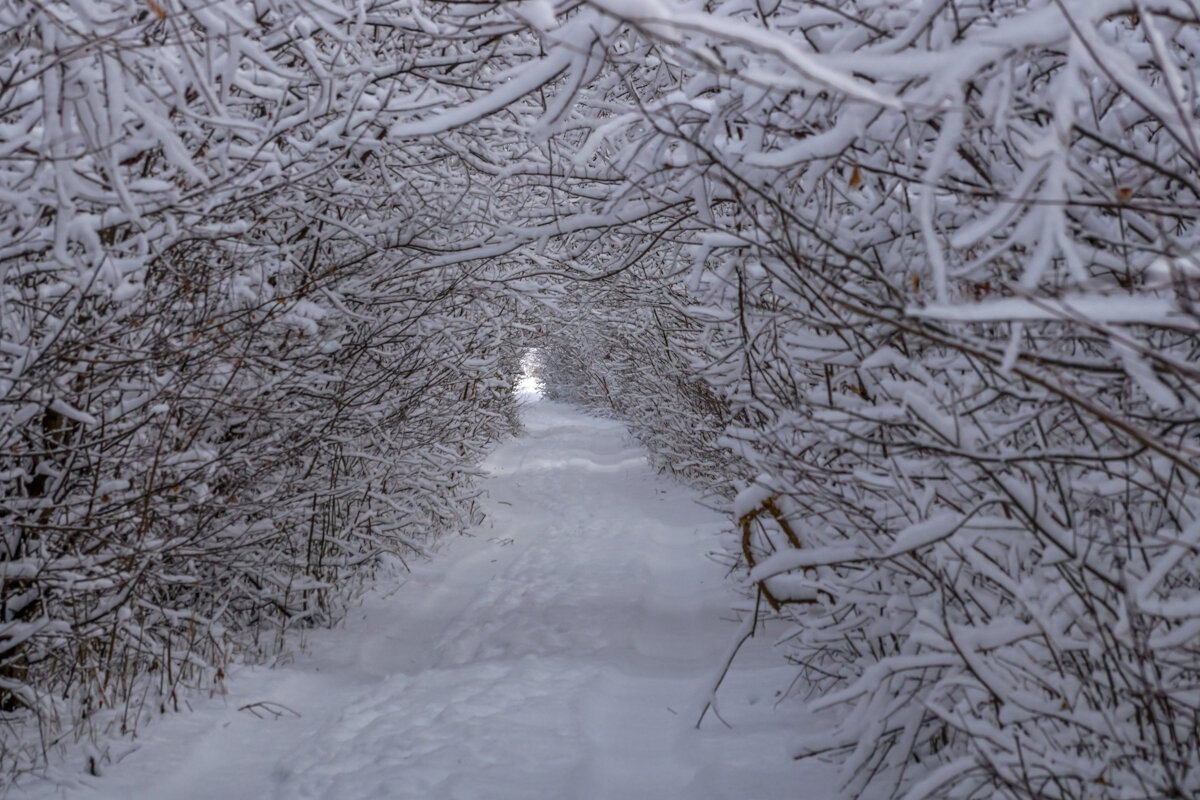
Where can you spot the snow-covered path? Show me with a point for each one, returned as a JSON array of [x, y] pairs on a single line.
[[555, 653]]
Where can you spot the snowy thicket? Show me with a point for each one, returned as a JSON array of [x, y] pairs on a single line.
[[623, 347], [942, 277], [233, 380], [926, 268]]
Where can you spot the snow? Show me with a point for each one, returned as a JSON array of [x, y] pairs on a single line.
[[555, 652], [1120, 309], [751, 499], [925, 533]]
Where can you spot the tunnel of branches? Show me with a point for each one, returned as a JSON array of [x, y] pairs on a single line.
[[906, 287]]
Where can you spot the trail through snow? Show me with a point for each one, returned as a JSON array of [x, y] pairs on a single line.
[[556, 652]]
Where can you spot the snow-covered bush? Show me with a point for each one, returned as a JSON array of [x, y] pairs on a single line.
[[242, 363], [943, 278], [620, 349]]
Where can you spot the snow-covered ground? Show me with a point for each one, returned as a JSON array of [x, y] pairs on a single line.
[[556, 652]]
